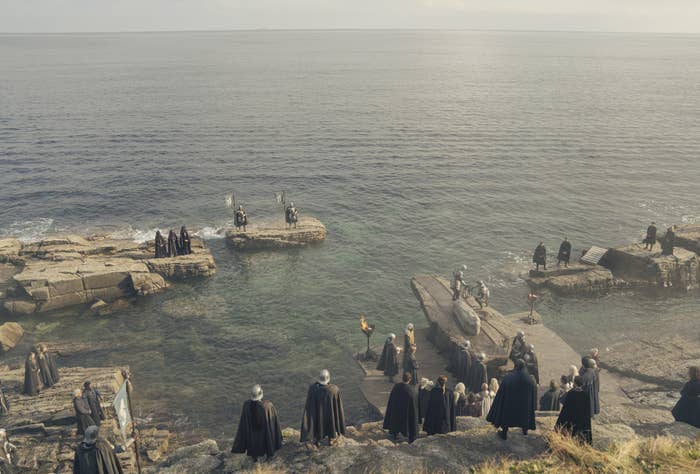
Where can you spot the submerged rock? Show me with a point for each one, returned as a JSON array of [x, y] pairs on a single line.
[[309, 230]]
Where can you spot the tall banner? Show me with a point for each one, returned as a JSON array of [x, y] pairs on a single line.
[[121, 407], [231, 201], [280, 197]]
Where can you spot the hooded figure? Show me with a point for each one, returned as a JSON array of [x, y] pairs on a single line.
[[93, 397], [95, 456], [515, 402], [550, 400], [575, 416], [564, 254], [240, 218], [259, 432], [324, 416], [185, 243], [650, 239], [591, 384], [424, 397], [402, 410], [540, 256], [460, 395], [32, 383], [478, 374], [161, 248], [533, 367], [82, 412], [409, 339], [44, 368], [4, 403], [668, 242], [173, 244], [389, 361], [440, 414], [687, 409], [519, 347], [291, 215], [466, 360], [51, 360]]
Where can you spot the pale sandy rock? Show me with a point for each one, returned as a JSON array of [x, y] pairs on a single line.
[[309, 230], [10, 335], [145, 284], [9, 250], [183, 267], [19, 307]]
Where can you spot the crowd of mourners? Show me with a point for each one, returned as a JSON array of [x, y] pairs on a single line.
[[175, 245]]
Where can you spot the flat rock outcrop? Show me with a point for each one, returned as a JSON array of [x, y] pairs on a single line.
[[309, 230], [579, 279], [10, 335], [688, 237]]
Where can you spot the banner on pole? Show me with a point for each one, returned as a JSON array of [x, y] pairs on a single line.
[[280, 197], [121, 407], [231, 201]]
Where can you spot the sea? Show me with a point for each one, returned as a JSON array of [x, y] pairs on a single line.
[[421, 151]]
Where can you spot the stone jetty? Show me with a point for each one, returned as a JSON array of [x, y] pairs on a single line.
[[69, 270], [309, 230]]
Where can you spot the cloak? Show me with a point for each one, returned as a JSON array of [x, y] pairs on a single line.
[[517, 350], [550, 401], [259, 432], [32, 383], [173, 244], [389, 361], [93, 400], [575, 415], [402, 411], [161, 249], [687, 409], [440, 414], [667, 243], [408, 341], [44, 371], [4, 403], [412, 368], [477, 377], [592, 386], [564, 252], [533, 367], [515, 402], [540, 255], [461, 407], [53, 367], [423, 399], [651, 235], [323, 414], [82, 414], [240, 218], [95, 458], [185, 243], [465, 366]]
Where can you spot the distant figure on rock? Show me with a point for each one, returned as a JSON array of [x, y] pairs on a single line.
[[402, 410], [591, 384], [519, 347], [240, 219], [461, 402], [533, 367], [95, 456], [486, 399], [564, 254], [540, 256], [412, 364], [483, 294], [515, 402], [389, 360], [291, 216], [575, 416], [173, 244], [550, 400], [458, 283], [185, 242], [83, 415], [44, 370], [259, 432], [668, 241], [324, 416], [687, 409], [4, 403], [7, 451], [466, 360], [32, 381], [161, 247], [650, 239], [440, 414], [409, 339], [478, 374], [424, 397], [51, 360], [93, 397]]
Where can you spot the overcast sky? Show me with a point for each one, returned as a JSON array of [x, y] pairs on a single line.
[[155, 15]]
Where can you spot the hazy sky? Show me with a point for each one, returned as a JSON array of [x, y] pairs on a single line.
[[151, 15]]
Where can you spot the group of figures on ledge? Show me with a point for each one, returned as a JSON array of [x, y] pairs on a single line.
[[175, 245], [539, 257], [40, 370], [667, 242], [291, 217]]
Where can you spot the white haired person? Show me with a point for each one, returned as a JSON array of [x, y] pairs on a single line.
[[409, 339], [324, 416], [95, 455], [389, 360], [7, 450], [259, 433]]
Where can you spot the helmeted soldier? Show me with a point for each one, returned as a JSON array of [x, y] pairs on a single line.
[[240, 218], [291, 215]]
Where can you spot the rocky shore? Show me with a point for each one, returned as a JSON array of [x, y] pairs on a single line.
[[309, 230]]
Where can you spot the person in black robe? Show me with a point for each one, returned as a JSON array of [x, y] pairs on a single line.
[[650, 239], [173, 244], [51, 360], [478, 374], [466, 361], [32, 382], [423, 398], [161, 248], [185, 242], [531, 362], [259, 433], [564, 254], [402, 410], [324, 416], [461, 401], [550, 400], [540, 256], [240, 218], [668, 241], [440, 416], [4, 403], [95, 456], [687, 409], [44, 370], [519, 347], [389, 360], [575, 416], [591, 384], [83, 415], [291, 215], [515, 402], [93, 397]]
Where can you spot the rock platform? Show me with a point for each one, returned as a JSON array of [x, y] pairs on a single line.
[[309, 230]]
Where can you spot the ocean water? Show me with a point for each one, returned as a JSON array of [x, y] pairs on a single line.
[[420, 151]]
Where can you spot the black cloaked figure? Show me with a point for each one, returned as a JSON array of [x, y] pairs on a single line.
[[515, 402], [540, 256], [93, 398], [668, 241], [531, 363], [575, 416], [424, 397], [650, 239], [44, 369], [240, 218], [478, 374], [564, 255], [591, 384], [466, 360], [185, 242], [402, 410], [389, 360], [259, 433], [687, 409], [95, 456], [173, 244], [4, 402], [161, 246], [324, 416], [51, 360], [83, 415], [550, 399], [440, 415], [32, 382]]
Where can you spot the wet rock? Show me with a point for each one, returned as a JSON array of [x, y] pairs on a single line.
[[10, 335], [688, 237], [309, 230], [147, 283], [592, 280], [634, 263], [98, 305], [9, 250]]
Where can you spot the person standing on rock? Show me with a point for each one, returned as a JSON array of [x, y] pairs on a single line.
[[412, 364], [530, 358], [650, 239], [324, 416], [173, 244], [687, 409], [259, 432], [564, 255], [424, 397], [185, 242], [51, 360], [409, 339], [460, 394], [32, 381], [240, 219], [519, 347], [95, 456], [94, 398], [591, 384], [4, 403], [483, 295], [458, 283], [478, 374], [464, 369], [515, 402], [161, 248], [576, 414], [440, 416], [550, 400], [83, 415], [44, 369], [389, 361], [540, 256], [291, 216], [402, 410], [486, 398], [668, 241]]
